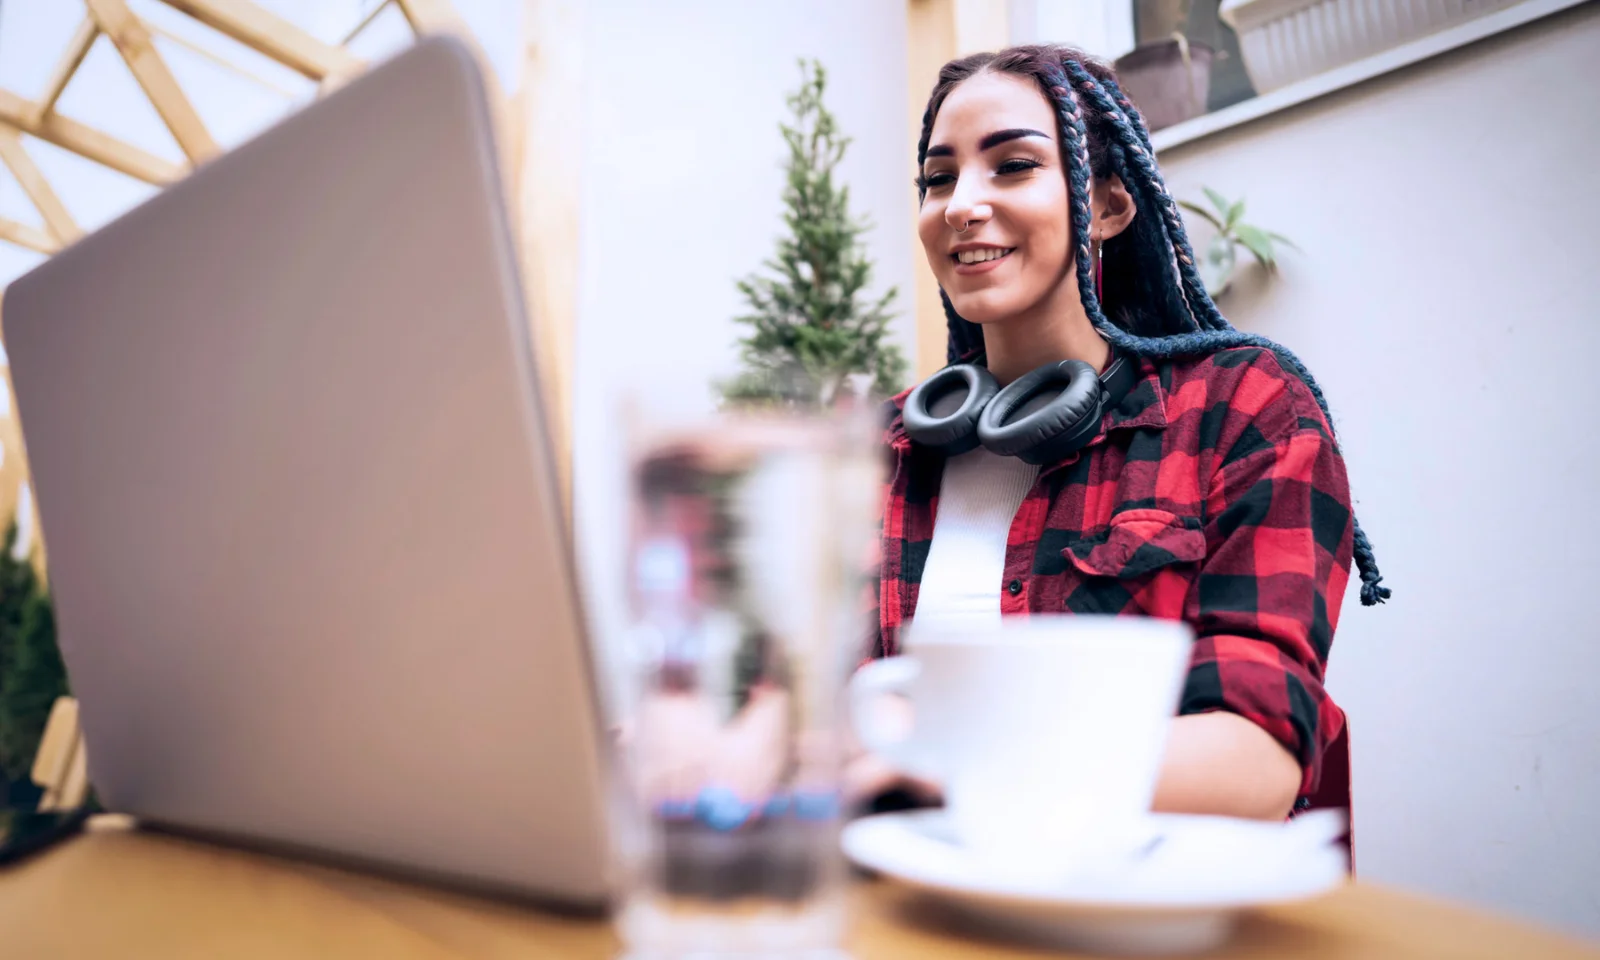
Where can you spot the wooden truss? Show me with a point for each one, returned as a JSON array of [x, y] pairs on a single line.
[[546, 103], [241, 20]]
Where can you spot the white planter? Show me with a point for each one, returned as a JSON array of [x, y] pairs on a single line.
[[1288, 40]]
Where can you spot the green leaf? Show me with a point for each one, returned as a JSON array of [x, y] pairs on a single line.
[[1234, 213], [1202, 211], [31, 675], [1258, 243], [1218, 200], [1280, 238]]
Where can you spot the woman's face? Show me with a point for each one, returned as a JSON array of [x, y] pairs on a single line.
[[994, 221]]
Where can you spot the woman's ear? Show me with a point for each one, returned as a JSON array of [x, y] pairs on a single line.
[[1112, 206]]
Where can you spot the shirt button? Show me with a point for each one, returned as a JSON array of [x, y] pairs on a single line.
[[1014, 587]]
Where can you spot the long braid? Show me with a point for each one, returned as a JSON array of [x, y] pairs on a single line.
[[1158, 189], [964, 342], [922, 150], [1175, 300], [1122, 111], [1126, 108], [1138, 155], [1136, 257], [1075, 153], [1129, 110], [1155, 191]]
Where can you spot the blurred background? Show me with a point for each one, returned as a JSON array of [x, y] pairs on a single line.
[[1414, 172]]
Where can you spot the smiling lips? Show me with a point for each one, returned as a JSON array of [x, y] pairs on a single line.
[[980, 259]]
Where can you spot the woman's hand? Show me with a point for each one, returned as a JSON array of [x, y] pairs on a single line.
[[750, 753], [867, 775], [679, 747], [673, 743]]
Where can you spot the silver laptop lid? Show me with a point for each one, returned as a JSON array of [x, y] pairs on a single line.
[[305, 539]]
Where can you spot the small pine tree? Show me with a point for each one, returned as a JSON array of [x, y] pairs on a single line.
[[810, 335], [31, 673]]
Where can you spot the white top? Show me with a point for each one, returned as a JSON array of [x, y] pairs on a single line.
[[978, 498]]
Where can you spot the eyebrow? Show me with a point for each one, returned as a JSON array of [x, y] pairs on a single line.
[[990, 141]]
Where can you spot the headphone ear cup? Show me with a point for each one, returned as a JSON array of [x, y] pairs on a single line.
[[942, 411], [1044, 415]]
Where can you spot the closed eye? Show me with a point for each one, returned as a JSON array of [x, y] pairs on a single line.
[[934, 181], [1017, 165]]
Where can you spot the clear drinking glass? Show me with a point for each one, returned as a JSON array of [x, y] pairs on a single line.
[[747, 536]]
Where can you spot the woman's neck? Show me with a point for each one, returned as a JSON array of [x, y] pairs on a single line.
[[1017, 345]]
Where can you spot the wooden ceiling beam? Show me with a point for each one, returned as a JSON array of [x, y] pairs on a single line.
[[546, 193], [33, 183], [433, 16], [364, 22], [207, 53], [271, 35], [138, 50], [30, 237], [71, 59], [243, 21], [87, 142]]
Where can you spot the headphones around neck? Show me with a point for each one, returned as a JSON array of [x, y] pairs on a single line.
[[1039, 419]]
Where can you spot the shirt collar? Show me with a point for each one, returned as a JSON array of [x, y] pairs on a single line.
[[1144, 406]]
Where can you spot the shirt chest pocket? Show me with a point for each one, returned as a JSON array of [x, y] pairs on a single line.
[[1143, 562]]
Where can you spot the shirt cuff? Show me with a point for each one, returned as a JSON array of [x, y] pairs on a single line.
[[1250, 678]]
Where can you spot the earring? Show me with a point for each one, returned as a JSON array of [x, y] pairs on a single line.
[[1099, 264]]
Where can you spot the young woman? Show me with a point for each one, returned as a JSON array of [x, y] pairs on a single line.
[[1204, 483]]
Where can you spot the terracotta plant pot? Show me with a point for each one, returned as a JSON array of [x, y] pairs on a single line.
[[1165, 88]]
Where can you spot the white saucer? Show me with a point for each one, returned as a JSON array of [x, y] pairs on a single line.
[[1182, 893]]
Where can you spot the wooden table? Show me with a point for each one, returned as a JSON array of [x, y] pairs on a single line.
[[118, 893]]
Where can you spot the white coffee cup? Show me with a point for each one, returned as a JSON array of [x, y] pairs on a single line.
[[1047, 732]]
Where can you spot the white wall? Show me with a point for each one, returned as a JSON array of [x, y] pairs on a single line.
[[1103, 28], [681, 196], [1447, 302]]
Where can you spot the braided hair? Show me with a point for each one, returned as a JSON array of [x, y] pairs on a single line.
[[1162, 310]]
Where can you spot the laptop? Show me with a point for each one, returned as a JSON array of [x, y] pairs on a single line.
[[306, 541]]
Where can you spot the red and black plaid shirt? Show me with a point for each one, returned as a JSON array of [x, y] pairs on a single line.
[[1214, 494]]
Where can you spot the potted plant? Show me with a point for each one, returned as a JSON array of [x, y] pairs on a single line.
[[1284, 41], [816, 335], [31, 673], [1222, 253], [1168, 74]]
